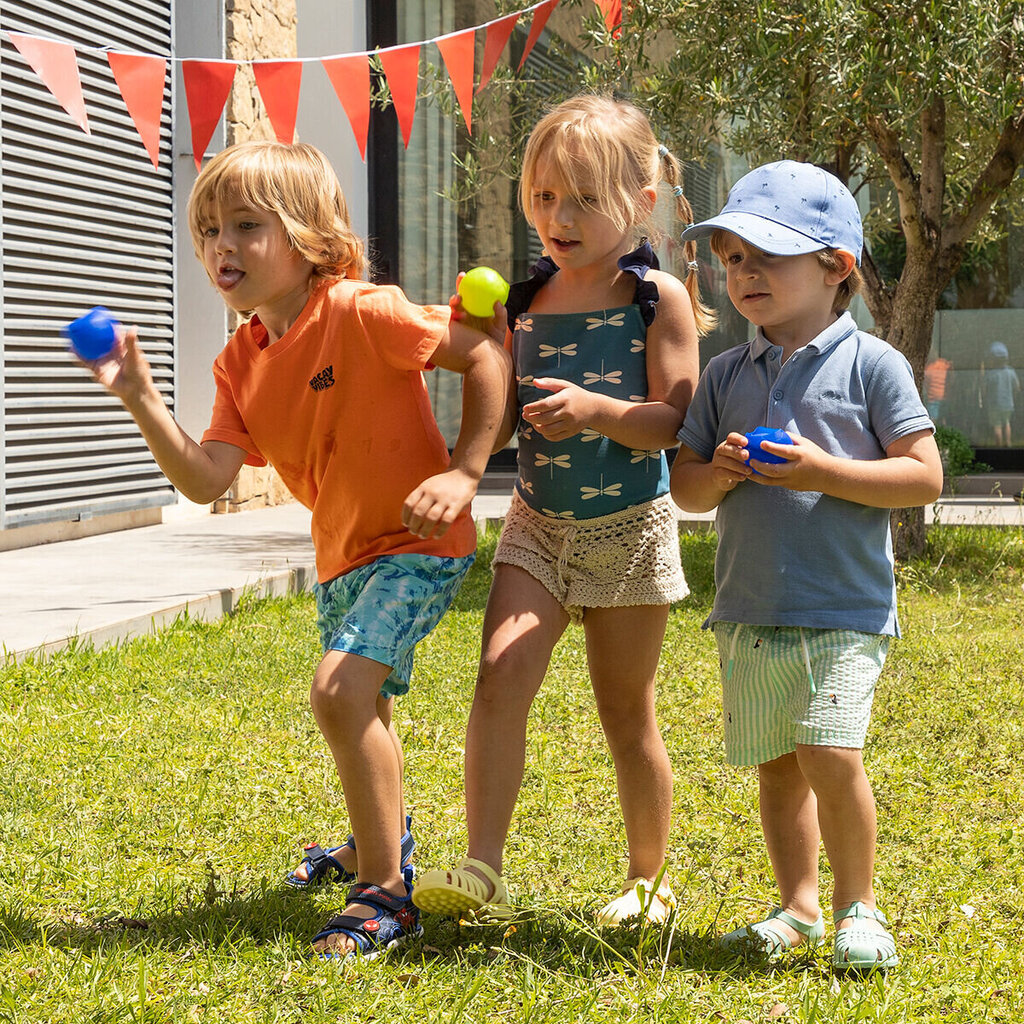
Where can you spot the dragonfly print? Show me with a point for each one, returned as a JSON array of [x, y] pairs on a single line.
[[607, 377], [524, 323], [567, 514], [611, 490], [646, 457], [563, 461], [615, 320], [547, 351]]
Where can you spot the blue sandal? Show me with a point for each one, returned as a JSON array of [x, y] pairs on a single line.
[[396, 920], [323, 869]]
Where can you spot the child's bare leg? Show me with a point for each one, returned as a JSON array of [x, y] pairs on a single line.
[[521, 627], [345, 855], [623, 647], [789, 819], [345, 702], [846, 813]]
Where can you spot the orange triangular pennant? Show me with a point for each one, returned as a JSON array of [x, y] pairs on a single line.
[[498, 33], [207, 86], [56, 64], [278, 82], [402, 67], [140, 78], [457, 50], [612, 11], [540, 19], [350, 76]]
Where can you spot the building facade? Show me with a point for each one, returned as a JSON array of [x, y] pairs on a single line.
[[87, 220]]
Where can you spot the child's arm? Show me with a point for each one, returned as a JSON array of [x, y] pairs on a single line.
[[909, 475], [510, 418], [698, 485], [485, 367], [672, 371], [201, 472]]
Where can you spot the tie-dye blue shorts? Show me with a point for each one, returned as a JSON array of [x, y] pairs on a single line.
[[383, 609]]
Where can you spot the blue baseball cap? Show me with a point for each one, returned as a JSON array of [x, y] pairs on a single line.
[[788, 208]]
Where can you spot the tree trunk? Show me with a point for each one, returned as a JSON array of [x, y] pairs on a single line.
[[910, 331]]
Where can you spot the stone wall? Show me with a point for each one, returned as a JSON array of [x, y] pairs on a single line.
[[256, 29]]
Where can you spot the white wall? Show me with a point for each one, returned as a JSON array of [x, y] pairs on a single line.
[[200, 314], [327, 28]]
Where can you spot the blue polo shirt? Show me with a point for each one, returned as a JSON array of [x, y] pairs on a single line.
[[802, 558]]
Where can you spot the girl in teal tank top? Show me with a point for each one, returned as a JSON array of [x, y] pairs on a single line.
[[605, 351]]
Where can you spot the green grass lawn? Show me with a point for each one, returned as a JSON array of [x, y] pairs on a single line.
[[155, 793]]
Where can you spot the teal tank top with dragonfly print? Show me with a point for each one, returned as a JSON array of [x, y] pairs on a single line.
[[604, 351]]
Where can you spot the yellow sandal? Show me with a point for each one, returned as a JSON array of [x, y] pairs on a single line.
[[640, 901], [459, 891]]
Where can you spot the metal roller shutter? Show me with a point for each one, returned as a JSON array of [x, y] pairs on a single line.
[[86, 221]]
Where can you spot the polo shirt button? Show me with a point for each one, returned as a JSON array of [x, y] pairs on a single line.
[[777, 396]]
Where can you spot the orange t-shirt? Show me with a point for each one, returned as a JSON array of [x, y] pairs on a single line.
[[339, 408]]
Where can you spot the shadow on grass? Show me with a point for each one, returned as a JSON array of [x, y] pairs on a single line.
[[559, 943], [262, 917], [569, 944]]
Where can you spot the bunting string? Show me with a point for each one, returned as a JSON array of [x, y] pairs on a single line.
[[141, 78]]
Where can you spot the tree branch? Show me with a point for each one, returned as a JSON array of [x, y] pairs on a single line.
[[997, 175], [933, 164], [877, 297], [887, 143]]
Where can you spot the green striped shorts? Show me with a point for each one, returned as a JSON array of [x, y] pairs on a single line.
[[784, 686]]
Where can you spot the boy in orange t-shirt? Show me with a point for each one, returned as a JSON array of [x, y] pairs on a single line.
[[324, 382]]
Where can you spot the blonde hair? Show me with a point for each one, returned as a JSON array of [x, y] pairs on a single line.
[[827, 258], [295, 182], [608, 145]]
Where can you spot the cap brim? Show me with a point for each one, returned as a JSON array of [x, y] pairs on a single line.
[[763, 234]]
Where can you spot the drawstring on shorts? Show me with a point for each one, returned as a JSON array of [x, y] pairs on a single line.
[[563, 556], [730, 664], [807, 662], [731, 661]]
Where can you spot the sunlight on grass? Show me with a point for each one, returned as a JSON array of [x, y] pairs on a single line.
[[156, 792]]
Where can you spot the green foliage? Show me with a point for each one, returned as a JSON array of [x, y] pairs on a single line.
[[957, 453], [920, 100], [155, 793]]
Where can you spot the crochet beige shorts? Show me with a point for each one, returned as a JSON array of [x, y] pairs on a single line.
[[626, 558]]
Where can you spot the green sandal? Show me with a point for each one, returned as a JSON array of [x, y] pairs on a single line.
[[765, 938], [863, 949]]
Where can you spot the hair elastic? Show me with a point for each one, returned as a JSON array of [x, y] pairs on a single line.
[[692, 267], [663, 151], [677, 191]]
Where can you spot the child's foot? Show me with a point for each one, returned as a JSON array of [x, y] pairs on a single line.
[[314, 868], [375, 919], [470, 887], [339, 863], [639, 900], [778, 932], [863, 941]]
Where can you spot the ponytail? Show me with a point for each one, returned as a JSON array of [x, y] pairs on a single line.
[[704, 315]]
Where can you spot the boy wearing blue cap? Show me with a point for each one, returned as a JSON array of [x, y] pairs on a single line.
[[805, 594]]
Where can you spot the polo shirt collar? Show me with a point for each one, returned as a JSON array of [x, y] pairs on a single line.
[[836, 332]]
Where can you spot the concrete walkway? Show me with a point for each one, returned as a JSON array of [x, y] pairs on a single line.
[[120, 585]]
